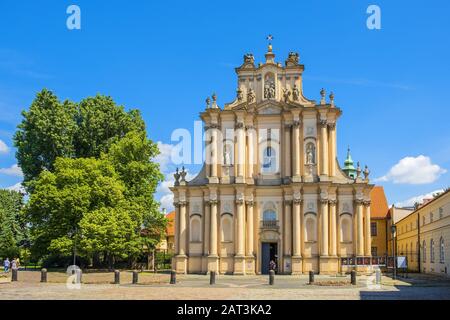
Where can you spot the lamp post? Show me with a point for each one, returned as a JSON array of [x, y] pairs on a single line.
[[394, 232]]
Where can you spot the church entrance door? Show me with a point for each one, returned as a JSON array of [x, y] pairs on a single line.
[[269, 253]]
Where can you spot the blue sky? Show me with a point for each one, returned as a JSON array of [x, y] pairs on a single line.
[[392, 84]]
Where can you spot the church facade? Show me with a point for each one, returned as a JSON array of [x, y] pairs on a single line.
[[271, 191]]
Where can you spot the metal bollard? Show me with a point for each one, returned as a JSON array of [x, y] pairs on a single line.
[[44, 275], [271, 277], [212, 277], [79, 275], [14, 274], [116, 277], [311, 277], [378, 276], [173, 277], [353, 277], [135, 277]]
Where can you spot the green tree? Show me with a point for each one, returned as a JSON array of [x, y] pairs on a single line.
[[45, 133], [13, 233]]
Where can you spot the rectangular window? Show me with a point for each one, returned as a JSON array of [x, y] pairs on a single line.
[[373, 228], [374, 251]]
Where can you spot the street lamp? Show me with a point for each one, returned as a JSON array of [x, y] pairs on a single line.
[[394, 232]]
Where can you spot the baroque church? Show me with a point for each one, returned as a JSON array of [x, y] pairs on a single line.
[[271, 191]]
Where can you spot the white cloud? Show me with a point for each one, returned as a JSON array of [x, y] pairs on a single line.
[[410, 170], [14, 170], [3, 147], [17, 187], [164, 158], [419, 199]]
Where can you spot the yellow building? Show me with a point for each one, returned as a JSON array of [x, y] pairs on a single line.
[[271, 188], [423, 236], [379, 211]]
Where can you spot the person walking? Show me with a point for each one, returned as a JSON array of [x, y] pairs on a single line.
[[14, 264], [6, 264]]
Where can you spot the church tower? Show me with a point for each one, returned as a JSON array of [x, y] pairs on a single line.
[[271, 188]]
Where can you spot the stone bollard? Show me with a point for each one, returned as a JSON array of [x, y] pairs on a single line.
[[311, 277], [79, 275], [14, 274], [135, 277], [212, 277], [271, 277], [173, 277], [44, 275], [353, 277], [378, 276], [116, 277]]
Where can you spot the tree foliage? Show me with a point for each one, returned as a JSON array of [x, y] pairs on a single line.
[[13, 231]]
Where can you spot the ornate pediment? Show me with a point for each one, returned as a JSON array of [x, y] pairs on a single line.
[[269, 107]]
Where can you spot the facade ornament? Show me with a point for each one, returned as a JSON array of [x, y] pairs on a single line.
[[239, 125], [358, 170], [324, 200], [213, 202], [249, 59], [295, 93], [227, 155], [183, 174], [332, 202], [250, 95], [287, 202], [310, 152], [366, 173], [323, 123], [269, 87], [359, 201], [292, 59], [366, 203], [250, 203], [332, 125], [177, 177], [332, 99], [208, 103], [296, 123], [297, 201], [182, 203], [286, 94], [322, 95], [214, 103], [239, 95]]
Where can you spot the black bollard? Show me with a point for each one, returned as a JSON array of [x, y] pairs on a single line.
[[271, 277], [353, 277], [135, 277], [311, 277], [173, 277], [44, 275], [212, 277], [116, 277], [14, 274]]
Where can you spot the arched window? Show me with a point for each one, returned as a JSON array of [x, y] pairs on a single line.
[[424, 246], [196, 230], [431, 250], [227, 228], [441, 251], [310, 227], [269, 160], [269, 215], [346, 228]]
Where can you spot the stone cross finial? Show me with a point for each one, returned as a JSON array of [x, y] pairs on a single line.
[[322, 94]]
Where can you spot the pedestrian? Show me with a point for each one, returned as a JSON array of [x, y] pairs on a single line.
[[272, 265], [6, 264], [14, 264]]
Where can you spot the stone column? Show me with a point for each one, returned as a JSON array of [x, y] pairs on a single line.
[[323, 148], [359, 228], [240, 227], [297, 228], [333, 228], [177, 228], [214, 150], [332, 148], [287, 227], [368, 237], [241, 152], [324, 223], [206, 244], [287, 151], [183, 232], [296, 147], [250, 228], [251, 154], [213, 230], [208, 152]]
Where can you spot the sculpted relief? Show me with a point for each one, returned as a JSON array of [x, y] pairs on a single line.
[[269, 86]]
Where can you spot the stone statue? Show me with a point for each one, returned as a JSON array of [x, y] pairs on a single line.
[[177, 178], [292, 59], [227, 156], [310, 154], [239, 95], [249, 59], [269, 88], [250, 95], [183, 175], [366, 173], [286, 94], [295, 93]]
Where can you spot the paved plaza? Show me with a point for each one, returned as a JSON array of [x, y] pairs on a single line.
[[99, 286]]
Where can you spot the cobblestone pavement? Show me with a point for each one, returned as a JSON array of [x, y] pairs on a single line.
[[192, 287]]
